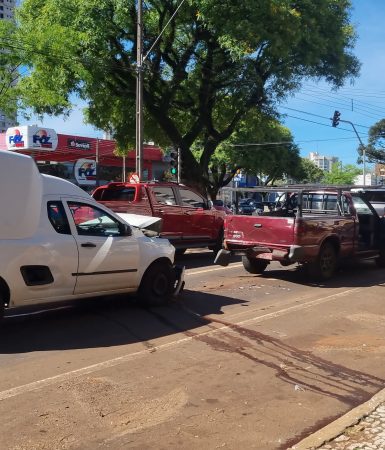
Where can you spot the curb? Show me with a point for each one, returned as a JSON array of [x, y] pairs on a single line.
[[334, 429]]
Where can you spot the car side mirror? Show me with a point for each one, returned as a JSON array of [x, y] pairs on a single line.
[[125, 229], [210, 204]]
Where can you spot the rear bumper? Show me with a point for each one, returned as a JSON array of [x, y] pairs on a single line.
[[288, 255]]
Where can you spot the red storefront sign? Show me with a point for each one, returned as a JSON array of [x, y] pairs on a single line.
[[71, 148]]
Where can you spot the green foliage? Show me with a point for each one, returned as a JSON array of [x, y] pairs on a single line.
[[341, 174], [216, 64], [271, 155], [375, 151], [310, 172]]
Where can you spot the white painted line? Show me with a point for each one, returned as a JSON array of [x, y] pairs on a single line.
[[35, 385]]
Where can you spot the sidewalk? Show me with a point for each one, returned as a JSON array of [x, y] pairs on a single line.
[[362, 428]]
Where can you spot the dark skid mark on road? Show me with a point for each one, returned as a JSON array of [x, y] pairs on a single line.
[[293, 366]]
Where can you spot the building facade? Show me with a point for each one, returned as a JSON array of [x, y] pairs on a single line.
[[323, 162], [7, 8], [64, 155]]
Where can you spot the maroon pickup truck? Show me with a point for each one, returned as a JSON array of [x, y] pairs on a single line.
[[189, 220], [314, 227]]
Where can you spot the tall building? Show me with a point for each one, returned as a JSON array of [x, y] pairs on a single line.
[[7, 8], [323, 162]]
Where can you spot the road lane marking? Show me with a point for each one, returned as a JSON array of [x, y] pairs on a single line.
[[39, 384]]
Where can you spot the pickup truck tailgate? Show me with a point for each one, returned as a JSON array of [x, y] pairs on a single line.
[[245, 231]]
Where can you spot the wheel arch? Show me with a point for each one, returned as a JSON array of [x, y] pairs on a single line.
[[162, 259], [334, 241]]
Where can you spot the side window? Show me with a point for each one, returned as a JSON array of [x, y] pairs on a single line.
[[92, 221], [331, 202], [58, 217], [123, 194], [360, 206], [316, 201], [190, 198], [164, 195]]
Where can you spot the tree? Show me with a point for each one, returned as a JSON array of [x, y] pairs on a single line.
[[214, 64], [310, 172], [271, 155], [341, 174], [375, 151]]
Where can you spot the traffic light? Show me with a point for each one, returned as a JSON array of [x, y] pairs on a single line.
[[174, 162], [336, 118]]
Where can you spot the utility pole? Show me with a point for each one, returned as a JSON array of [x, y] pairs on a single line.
[[139, 91], [335, 121], [97, 162]]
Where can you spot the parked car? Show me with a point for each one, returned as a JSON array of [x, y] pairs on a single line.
[[249, 206], [189, 219], [317, 228], [58, 243]]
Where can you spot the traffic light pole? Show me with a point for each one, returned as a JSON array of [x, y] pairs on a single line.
[[139, 92], [363, 150], [179, 166]]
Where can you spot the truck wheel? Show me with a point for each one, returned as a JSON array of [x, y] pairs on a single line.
[[157, 284], [254, 265], [326, 263]]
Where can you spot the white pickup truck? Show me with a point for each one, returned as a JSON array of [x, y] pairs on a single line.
[[57, 244]]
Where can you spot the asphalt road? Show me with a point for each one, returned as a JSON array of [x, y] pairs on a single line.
[[240, 361]]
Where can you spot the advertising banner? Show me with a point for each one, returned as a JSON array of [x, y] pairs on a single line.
[[31, 138], [85, 172]]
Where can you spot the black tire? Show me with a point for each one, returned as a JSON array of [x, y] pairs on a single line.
[[157, 284], [255, 266], [326, 264]]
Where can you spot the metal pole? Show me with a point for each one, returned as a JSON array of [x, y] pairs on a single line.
[[179, 165], [97, 162], [139, 91], [363, 150]]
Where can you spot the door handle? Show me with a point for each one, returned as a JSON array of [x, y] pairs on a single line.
[[88, 244]]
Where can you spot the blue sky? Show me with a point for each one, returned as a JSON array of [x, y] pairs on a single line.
[[362, 102]]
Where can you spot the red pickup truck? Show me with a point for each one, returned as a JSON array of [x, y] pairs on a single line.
[[310, 226], [189, 220]]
